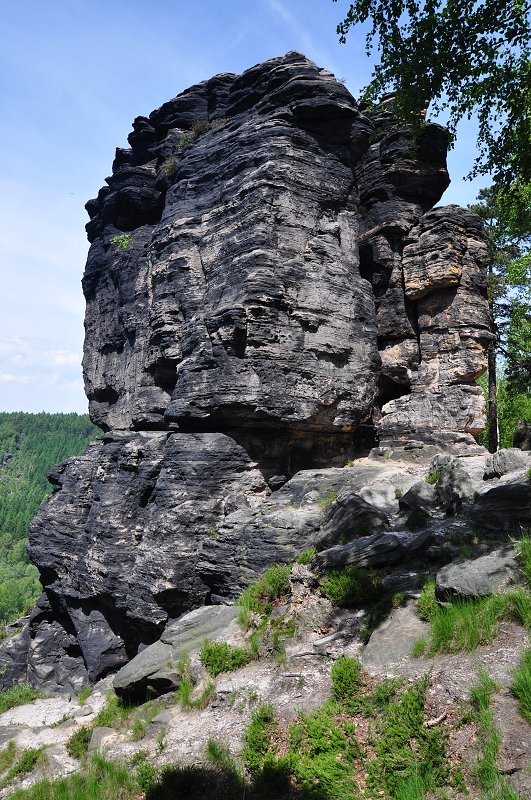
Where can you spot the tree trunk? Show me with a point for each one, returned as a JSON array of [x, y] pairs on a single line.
[[492, 410]]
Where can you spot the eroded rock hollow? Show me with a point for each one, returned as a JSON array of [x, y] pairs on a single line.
[[269, 289]]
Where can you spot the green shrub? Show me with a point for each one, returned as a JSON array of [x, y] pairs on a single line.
[[221, 657], [200, 126], [405, 750], [146, 776], [521, 687], [351, 586], [186, 141], [18, 695], [322, 751], [122, 241], [77, 745], [346, 679], [169, 166]]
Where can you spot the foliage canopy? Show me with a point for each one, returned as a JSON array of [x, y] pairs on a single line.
[[464, 58]]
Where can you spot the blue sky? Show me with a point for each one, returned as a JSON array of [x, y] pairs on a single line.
[[73, 75]]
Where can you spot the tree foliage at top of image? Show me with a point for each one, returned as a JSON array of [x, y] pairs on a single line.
[[464, 58]]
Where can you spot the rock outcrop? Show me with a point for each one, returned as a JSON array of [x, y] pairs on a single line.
[[269, 292]]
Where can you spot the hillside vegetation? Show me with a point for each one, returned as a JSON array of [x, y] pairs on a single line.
[[29, 445]]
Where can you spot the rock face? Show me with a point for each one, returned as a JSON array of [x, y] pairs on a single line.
[[268, 290]]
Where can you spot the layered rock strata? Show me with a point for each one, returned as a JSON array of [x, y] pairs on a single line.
[[268, 291]]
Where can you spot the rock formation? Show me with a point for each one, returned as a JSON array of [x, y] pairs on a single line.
[[269, 289]]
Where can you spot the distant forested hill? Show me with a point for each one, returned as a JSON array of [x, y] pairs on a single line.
[[29, 445]]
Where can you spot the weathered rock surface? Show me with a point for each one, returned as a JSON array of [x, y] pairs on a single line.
[[280, 294], [478, 577], [155, 670]]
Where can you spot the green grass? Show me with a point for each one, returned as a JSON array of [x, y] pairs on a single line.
[[7, 756], [18, 695], [417, 519], [465, 624], [84, 695], [307, 556], [102, 780], [25, 763], [523, 555], [222, 657], [351, 586], [77, 744], [492, 783], [327, 498], [114, 713], [521, 686]]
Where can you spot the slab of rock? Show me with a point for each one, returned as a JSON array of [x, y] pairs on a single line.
[[155, 669], [391, 643], [478, 577], [504, 508]]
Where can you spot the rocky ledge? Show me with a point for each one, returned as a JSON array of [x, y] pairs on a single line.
[[270, 293]]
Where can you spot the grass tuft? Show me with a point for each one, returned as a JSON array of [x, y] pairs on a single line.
[[351, 586], [222, 657], [521, 687], [78, 744]]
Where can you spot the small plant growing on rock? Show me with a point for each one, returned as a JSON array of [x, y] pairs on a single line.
[[84, 695], [169, 167], [186, 140], [122, 241], [433, 477], [260, 595], [327, 498], [200, 126]]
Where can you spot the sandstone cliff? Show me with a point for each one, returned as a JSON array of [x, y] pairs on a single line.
[[269, 289]]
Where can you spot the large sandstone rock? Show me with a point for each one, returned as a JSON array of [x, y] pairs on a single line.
[[489, 574], [267, 292]]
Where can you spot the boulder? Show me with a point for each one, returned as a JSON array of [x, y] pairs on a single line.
[[422, 496], [454, 485], [507, 460], [478, 577], [504, 508]]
